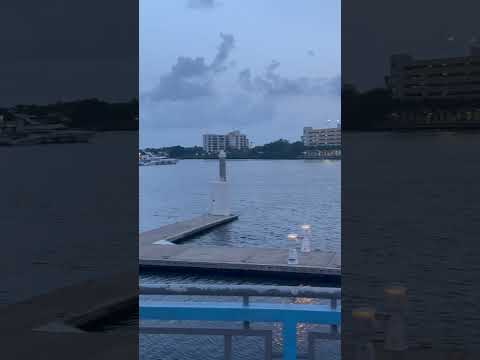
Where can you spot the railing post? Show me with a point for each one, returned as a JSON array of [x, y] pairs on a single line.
[[246, 302], [289, 340], [268, 347], [227, 339], [311, 346], [333, 306]]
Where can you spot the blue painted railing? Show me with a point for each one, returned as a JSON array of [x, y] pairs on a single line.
[[287, 314]]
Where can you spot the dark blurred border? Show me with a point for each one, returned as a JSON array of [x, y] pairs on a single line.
[[410, 203], [69, 174]]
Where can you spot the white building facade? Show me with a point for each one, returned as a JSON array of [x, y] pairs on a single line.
[[318, 137], [213, 143]]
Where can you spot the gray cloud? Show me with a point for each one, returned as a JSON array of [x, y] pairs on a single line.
[[176, 89], [217, 112], [272, 67], [245, 80], [273, 84], [202, 4], [224, 49], [192, 78], [311, 53]]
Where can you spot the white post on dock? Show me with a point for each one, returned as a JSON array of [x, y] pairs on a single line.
[[219, 202]]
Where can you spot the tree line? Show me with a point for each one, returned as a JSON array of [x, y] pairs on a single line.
[[280, 149], [91, 114]]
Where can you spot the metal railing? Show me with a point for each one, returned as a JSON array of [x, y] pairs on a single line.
[[246, 311]]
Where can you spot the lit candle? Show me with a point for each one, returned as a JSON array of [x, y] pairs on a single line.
[[292, 237]]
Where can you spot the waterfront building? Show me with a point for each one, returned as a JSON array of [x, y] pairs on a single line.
[[442, 78], [435, 93], [236, 140], [214, 143], [318, 137]]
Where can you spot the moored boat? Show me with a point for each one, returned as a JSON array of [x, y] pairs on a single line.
[[148, 159]]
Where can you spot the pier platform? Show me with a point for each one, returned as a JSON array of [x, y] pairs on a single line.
[[240, 259], [182, 230]]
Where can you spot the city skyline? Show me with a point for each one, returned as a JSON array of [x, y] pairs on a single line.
[[222, 73], [251, 143]]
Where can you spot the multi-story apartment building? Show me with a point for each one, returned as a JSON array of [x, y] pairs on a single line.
[[443, 78], [318, 137], [435, 93], [213, 143], [236, 140]]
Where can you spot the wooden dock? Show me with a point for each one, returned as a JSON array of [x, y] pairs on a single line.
[[240, 259], [182, 230]]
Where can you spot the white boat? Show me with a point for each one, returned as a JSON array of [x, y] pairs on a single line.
[[148, 159]]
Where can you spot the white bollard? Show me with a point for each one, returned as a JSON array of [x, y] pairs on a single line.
[[306, 240], [396, 324]]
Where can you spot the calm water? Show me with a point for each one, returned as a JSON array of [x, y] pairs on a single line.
[[410, 214], [272, 199], [50, 236]]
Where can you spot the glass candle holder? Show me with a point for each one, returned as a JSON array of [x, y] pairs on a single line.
[[306, 240], [292, 249]]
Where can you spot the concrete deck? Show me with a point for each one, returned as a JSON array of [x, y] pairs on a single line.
[[184, 229], [157, 250], [36, 328], [245, 259]]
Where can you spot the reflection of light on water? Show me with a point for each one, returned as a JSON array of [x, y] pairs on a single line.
[[277, 334], [303, 301]]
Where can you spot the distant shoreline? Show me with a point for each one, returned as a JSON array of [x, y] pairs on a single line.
[[247, 158]]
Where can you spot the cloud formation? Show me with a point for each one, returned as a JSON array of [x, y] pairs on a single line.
[[235, 109], [224, 50], [192, 78], [311, 53], [198, 95], [273, 84], [202, 4]]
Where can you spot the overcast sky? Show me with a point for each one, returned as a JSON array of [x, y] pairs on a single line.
[[267, 68]]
